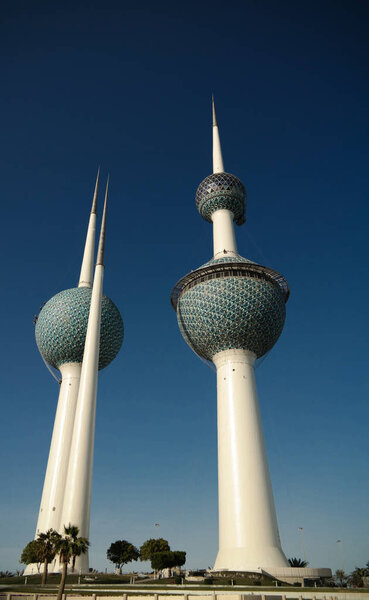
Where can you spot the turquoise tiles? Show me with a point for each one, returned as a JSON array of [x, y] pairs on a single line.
[[221, 190], [62, 324]]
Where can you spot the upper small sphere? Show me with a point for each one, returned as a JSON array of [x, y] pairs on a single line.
[[62, 324], [221, 190]]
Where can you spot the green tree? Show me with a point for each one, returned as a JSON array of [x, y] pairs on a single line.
[[68, 547], [46, 542], [162, 560], [31, 554], [179, 558], [298, 562], [356, 577], [122, 552], [73, 532], [41, 550], [168, 559], [340, 577], [153, 546]]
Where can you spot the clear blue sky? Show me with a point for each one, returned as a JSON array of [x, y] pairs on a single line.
[[128, 86]]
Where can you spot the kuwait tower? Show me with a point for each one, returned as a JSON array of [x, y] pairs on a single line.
[[78, 332], [231, 311]]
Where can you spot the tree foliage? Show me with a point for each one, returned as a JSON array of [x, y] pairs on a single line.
[[153, 546], [356, 577], [179, 558], [340, 577], [31, 554], [298, 562], [41, 550], [122, 552], [162, 560], [165, 560], [46, 542]]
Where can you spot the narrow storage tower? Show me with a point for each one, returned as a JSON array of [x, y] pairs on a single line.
[[60, 335], [231, 311]]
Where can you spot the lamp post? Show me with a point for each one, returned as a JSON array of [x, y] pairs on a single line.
[[301, 530], [341, 553], [157, 525]]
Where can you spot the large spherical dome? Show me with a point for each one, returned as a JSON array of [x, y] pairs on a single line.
[[62, 324], [221, 191], [230, 303]]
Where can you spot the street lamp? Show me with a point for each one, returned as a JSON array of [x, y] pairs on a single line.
[[301, 530], [341, 553]]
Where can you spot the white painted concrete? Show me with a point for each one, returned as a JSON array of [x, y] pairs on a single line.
[[57, 466], [88, 261], [218, 166], [248, 529], [224, 238], [77, 498]]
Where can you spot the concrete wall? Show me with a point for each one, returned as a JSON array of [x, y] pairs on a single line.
[[209, 595]]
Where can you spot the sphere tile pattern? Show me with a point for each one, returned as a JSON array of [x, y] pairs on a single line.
[[221, 191], [227, 259], [62, 324], [231, 313]]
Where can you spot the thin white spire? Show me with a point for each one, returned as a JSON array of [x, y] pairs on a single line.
[[77, 500], [218, 166], [101, 249], [87, 269]]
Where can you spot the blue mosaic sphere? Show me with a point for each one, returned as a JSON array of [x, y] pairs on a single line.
[[221, 190], [62, 324], [231, 303]]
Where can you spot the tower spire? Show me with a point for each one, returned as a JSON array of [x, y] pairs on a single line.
[[85, 278], [218, 166], [101, 248]]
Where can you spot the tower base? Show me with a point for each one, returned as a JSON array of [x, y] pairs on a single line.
[[289, 575], [81, 567], [250, 559]]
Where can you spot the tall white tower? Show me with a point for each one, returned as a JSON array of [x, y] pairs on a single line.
[[60, 335], [231, 311], [77, 495]]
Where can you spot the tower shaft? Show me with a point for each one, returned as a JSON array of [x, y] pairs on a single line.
[[224, 239], [248, 529], [57, 466]]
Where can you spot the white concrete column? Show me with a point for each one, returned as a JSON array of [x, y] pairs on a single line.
[[57, 466], [248, 529], [223, 233], [77, 498]]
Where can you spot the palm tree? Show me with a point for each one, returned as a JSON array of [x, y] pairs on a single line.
[[340, 576], [298, 562], [76, 543], [68, 547], [46, 544]]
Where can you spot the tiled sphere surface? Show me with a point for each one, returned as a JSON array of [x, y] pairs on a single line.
[[221, 190], [62, 324], [227, 259], [232, 312]]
